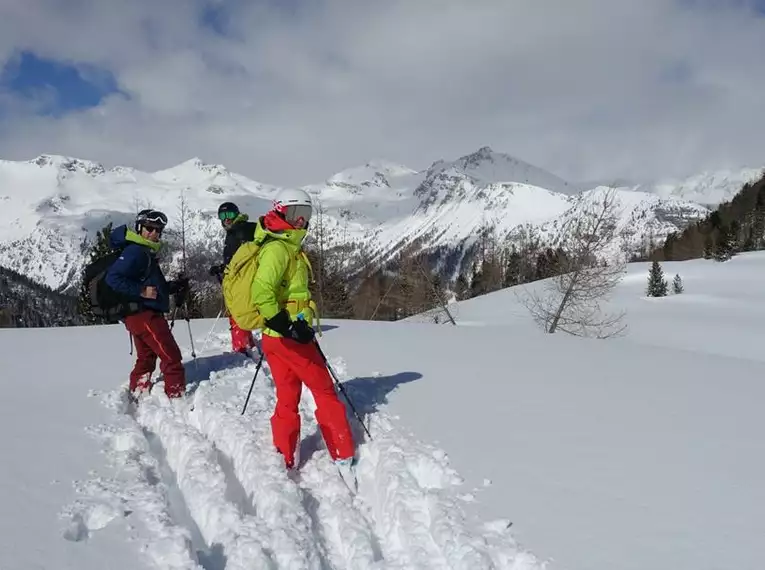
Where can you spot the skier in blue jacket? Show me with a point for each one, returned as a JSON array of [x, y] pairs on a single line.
[[137, 275]]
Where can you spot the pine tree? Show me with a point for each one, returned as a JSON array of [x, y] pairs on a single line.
[[100, 248], [725, 247], [477, 283], [657, 285], [461, 288], [677, 284], [513, 268]]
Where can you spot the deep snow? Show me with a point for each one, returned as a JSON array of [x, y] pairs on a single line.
[[632, 453]]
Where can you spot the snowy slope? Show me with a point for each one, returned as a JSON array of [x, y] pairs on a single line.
[[52, 205], [634, 453], [204, 488], [717, 302]]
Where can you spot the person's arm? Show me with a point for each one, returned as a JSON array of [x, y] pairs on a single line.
[[124, 274], [274, 262]]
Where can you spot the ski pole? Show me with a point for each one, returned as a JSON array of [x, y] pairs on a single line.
[[212, 328], [339, 385], [257, 369], [191, 339]]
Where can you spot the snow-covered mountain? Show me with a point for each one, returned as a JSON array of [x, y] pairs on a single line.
[[53, 205], [707, 188]]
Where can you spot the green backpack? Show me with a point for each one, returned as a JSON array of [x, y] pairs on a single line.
[[237, 286]]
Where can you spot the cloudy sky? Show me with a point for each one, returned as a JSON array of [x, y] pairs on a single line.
[[290, 91]]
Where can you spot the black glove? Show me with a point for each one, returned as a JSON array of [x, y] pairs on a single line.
[[299, 331], [302, 331], [179, 288], [179, 284], [216, 270]]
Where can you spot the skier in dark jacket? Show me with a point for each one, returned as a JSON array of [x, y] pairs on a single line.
[[238, 231], [137, 275]]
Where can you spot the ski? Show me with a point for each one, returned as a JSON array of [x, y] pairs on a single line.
[[347, 471]]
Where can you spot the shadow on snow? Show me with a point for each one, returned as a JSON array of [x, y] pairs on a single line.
[[366, 394], [200, 369]]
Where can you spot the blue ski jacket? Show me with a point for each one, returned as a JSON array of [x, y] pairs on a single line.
[[137, 267]]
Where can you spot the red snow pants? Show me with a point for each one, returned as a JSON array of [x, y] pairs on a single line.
[[241, 340], [153, 338], [293, 364]]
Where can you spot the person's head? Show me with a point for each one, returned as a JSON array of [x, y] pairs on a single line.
[[227, 213], [150, 224], [294, 206]]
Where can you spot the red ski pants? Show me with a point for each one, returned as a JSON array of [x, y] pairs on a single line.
[[293, 364], [153, 338], [241, 339]]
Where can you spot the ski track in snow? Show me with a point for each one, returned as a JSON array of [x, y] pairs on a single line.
[[201, 486]]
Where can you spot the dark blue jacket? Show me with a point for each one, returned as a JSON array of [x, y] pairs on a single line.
[[137, 268]]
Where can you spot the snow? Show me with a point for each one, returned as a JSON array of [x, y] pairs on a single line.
[[710, 188], [494, 445], [647, 444], [489, 166], [51, 206], [163, 486]]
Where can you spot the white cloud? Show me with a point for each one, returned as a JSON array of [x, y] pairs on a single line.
[[294, 92]]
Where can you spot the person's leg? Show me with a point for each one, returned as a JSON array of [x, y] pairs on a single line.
[[308, 365], [285, 421], [241, 340], [161, 340], [146, 358]]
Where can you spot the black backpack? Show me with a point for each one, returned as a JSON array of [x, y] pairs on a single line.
[[104, 301]]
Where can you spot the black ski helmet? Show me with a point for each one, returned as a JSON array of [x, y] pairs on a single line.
[[227, 207], [150, 217]]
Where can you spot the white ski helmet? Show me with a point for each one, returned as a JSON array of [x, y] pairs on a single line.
[[294, 204]]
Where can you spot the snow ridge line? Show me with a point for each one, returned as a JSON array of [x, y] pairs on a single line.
[[415, 516], [263, 477], [349, 533], [243, 539], [404, 482], [333, 526], [409, 488], [137, 489]]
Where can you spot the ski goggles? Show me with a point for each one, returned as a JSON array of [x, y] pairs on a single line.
[[227, 215], [152, 220], [294, 213], [154, 217], [153, 228]]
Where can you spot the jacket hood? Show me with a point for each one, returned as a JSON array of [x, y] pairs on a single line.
[[122, 236], [273, 226]]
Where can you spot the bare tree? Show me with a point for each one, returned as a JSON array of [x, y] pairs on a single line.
[[570, 301], [438, 294], [183, 212]]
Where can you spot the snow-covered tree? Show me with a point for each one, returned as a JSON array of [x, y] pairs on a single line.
[[677, 285]]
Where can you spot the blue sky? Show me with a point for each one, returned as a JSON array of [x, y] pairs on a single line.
[[57, 87], [53, 87]]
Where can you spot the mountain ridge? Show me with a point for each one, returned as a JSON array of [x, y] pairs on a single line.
[[52, 205]]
